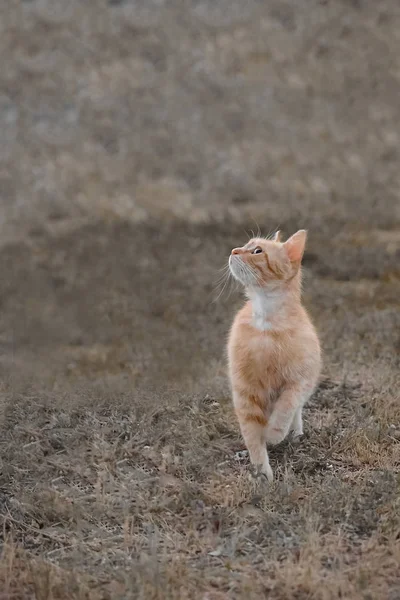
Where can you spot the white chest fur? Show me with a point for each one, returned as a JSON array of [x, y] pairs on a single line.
[[265, 307]]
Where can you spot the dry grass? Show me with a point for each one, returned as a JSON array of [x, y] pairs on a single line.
[[137, 147], [111, 489]]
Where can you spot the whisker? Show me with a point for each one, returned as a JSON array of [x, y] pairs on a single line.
[[221, 274], [223, 288], [226, 266], [222, 278], [221, 285], [258, 228], [222, 282], [272, 234]]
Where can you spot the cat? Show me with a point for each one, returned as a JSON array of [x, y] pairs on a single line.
[[274, 355]]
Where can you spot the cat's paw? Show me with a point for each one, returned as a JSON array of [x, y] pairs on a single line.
[[297, 436], [267, 472], [263, 471]]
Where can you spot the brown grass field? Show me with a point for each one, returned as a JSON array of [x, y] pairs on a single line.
[[140, 142]]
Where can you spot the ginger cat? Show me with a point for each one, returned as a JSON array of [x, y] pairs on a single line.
[[273, 349]]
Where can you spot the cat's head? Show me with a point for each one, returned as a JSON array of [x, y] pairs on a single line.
[[264, 262]]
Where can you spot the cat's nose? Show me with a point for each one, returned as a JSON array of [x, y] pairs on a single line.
[[236, 251]]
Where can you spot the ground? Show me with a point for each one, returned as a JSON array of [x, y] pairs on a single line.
[[141, 141]]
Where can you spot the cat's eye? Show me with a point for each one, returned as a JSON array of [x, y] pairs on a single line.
[[257, 250]]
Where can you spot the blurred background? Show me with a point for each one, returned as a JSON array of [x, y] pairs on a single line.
[[142, 140], [139, 142], [199, 111]]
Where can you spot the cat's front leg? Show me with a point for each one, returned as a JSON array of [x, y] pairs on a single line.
[[255, 438], [253, 426]]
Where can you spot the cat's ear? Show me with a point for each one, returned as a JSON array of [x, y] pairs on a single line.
[[295, 246], [277, 237]]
